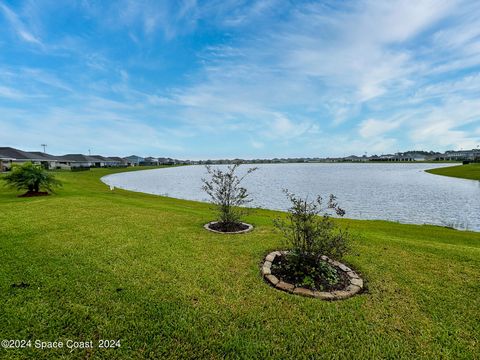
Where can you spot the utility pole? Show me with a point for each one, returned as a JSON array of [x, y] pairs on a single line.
[[89, 153], [44, 147]]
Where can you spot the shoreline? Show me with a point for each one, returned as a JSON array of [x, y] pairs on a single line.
[[453, 226]]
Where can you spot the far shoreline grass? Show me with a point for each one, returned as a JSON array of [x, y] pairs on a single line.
[[470, 171], [104, 264]]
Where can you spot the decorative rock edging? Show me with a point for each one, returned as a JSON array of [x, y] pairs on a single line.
[[355, 286], [207, 226]]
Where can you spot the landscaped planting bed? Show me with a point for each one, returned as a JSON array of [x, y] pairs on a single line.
[[349, 285]]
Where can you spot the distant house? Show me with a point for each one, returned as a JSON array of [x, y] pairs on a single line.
[[461, 155], [5, 162], [117, 161], [355, 158], [404, 157], [51, 159], [149, 161], [133, 160], [166, 161], [99, 161], [76, 160], [416, 156], [9, 156], [386, 157]]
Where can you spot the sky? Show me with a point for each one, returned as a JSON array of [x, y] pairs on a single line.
[[239, 79]]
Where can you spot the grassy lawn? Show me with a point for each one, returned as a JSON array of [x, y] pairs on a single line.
[[470, 171], [104, 264]]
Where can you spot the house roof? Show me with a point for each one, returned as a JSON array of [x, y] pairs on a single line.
[[99, 157], [77, 158], [116, 158], [15, 154], [134, 157], [44, 155]]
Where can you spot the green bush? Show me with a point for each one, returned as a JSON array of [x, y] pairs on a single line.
[[307, 271], [309, 230], [31, 177], [227, 194]]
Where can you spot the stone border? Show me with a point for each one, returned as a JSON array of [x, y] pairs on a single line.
[[207, 226], [355, 286]]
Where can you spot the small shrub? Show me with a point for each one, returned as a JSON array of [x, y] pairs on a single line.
[[227, 194], [31, 177], [309, 232], [309, 229]]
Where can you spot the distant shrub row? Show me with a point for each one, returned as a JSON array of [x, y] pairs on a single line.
[[80, 168]]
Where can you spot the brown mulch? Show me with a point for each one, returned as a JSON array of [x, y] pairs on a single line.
[[228, 227]]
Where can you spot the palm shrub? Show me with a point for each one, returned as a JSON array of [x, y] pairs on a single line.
[[31, 177], [227, 194]]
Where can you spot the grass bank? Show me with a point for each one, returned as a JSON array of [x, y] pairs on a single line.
[[100, 264], [470, 171]]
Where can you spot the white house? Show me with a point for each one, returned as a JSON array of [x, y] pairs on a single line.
[[134, 160], [76, 160], [9, 156]]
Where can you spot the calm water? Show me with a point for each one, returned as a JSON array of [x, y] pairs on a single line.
[[396, 192]]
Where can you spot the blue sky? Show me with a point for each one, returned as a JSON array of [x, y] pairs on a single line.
[[236, 78]]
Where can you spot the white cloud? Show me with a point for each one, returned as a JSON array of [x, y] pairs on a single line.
[[281, 127], [6, 92], [444, 134], [372, 128], [152, 17], [18, 26], [467, 86], [319, 60], [355, 49], [369, 74], [445, 125], [77, 129], [328, 64], [240, 16]]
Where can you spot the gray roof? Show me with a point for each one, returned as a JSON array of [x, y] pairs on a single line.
[[116, 158], [134, 158], [76, 158], [15, 154], [98, 157], [44, 155]]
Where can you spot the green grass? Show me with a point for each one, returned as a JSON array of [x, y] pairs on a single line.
[[470, 171], [107, 264]]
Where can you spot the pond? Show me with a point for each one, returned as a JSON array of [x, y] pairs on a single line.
[[401, 192]]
